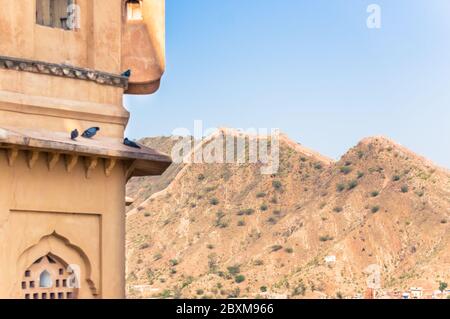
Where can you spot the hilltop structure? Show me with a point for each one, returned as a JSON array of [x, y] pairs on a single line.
[[62, 201]]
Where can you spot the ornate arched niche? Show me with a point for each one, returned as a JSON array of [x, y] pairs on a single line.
[[54, 268]]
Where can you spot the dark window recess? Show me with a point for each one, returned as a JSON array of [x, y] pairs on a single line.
[[53, 13], [24, 285], [27, 273], [60, 295], [31, 284]]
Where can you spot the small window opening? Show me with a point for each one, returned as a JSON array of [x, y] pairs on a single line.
[[27, 273], [24, 285], [61, 271], [35, 296], [54, 13], [134, 10], [60, 295], [45, 280], [31, 284]]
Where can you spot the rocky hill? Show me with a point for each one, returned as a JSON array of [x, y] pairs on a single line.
[[312, 230]]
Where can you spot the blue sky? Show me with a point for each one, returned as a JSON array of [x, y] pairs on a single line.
[[311, 68]]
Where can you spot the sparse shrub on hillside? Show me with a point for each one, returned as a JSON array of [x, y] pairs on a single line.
[[443, 221], [144, 246], [339, 295], [210, 189], [272, 220], [239, 278], [274, 200], [442, 286], [157, 257], [263, 289], [348, 163], [360, 154], [258, 262], [277, 184], [261, 195], [420, 193], [360, 175], [375, 209], [241, 223], [352, 184], [277, 212], [300, 289], [340, 187], [318, 166], [173, 262], [404, 189], [219, 220], [201, 177], [214, 201], [345, 170], [325, 238], [289, 250], [375, 193], [234, 270], [338, 209], [396, 178], [303, 159], [275, 248], [210, 246], [147, 214], [264, 207], [247, 212], [166, 294], [200, 292]]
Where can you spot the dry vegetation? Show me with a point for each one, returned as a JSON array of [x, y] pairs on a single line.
[[226, 231]]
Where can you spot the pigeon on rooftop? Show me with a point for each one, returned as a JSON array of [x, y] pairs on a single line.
[[129, 143], [127, 73], [91, 132], [74, 134]]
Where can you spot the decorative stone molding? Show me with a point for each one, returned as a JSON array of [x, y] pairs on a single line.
[[63, 70]]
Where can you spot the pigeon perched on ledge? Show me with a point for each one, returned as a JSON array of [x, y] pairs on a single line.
[[127, 73], [91, 132], [129, 143], [74, 134]]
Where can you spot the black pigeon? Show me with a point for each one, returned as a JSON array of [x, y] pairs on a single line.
[[74, 134], [129, 143], [91, 132], [127, 73]]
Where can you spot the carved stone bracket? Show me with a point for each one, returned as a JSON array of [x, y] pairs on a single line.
[[110, 163], [33, 156], [71, 161], [91, 164]]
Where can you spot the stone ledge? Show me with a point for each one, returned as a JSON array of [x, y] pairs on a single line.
[[63, 70]]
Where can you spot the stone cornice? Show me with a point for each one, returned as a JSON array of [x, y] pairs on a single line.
[[63, 70]]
